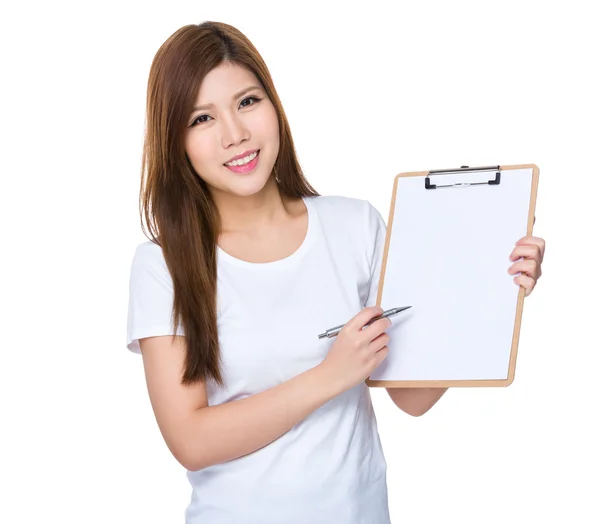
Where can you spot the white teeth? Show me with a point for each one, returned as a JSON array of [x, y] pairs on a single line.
[[242, 161]]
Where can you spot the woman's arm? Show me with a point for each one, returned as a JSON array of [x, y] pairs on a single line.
[[199, 435], [415, 401]]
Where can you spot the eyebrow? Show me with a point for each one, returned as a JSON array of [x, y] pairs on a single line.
[[237, 95]]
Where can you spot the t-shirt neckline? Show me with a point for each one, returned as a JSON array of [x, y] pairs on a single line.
[[283, 262]]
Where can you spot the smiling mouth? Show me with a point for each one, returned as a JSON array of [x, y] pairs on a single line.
[[242, 165], [245, 168]]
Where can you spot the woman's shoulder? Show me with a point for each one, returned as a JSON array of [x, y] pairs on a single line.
[[148, 249], [352, 214], [148, 255], [337, 204]]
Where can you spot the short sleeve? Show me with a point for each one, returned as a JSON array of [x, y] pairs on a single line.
[[377, 234], [150, 296]]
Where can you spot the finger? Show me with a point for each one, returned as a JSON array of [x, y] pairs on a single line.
[[378, 342], [528, 267], [526, 251], [531, 240], [381, 355], [527, 282], [377, 328], [362, 317]]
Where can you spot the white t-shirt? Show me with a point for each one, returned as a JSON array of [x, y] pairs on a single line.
[[330, 467]]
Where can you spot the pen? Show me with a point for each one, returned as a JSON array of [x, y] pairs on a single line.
[[332, 332]]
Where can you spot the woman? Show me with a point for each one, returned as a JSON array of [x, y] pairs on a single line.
[[249, 262]]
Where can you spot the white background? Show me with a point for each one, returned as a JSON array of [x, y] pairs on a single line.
[[370, 89]]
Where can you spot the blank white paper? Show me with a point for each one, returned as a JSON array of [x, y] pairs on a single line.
[[448, 258]]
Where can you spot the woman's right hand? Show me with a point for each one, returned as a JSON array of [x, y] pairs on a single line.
[[357, 352]]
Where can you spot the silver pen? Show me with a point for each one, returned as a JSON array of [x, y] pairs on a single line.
[[332, 332]]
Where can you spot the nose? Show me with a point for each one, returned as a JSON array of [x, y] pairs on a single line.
[[233, 130]]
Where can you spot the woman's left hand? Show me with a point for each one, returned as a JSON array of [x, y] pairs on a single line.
[[531, 249]]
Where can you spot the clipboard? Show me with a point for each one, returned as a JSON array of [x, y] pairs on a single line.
[[449, 236]]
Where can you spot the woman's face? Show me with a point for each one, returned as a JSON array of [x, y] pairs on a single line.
[[230, 124]]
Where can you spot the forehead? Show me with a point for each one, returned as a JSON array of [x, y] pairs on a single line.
[[223, 81]]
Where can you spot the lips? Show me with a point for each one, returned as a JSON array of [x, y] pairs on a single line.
[[246, 168], [237, 157]]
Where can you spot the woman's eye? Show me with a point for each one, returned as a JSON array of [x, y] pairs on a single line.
[[200, 121], [253, 98], [256, 99]]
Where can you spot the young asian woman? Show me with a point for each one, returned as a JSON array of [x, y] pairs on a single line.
[[246, 264]]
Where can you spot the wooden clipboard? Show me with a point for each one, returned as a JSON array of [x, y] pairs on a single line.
[[425, 204]]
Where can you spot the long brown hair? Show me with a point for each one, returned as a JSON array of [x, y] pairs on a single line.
[[175, 202]]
